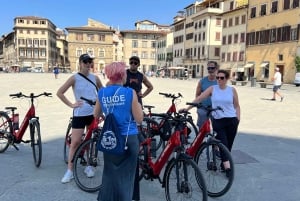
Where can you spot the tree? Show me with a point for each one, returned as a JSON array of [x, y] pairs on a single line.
[[297, 63]]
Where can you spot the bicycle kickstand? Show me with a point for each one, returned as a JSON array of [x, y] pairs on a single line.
[[15, 147]]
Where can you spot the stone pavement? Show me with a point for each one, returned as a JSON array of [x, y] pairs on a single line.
[[266, 149]]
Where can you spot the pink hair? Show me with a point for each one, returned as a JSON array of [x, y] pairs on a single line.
[[115, 71]]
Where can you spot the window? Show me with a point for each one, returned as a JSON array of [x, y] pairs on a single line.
[[228, 56], [134, 36], [234, 56], [79, 36], [224, 23], [218, 21], [223, 57], [280, 57], [35, 42], [274, 7], [218, 36], [217, 51], [242, 56], [36, 53], [101, 37], [231, 5], [237, 20], [43, 42], [224, 40], [243, 19], [263, 9], [203, 36], [28, 31], [229, 39], [144, 44], [43, 52], [204, 23], [101, 53], [29, 53], [90, 51], [153, 44], [144, 55], [273, 35], [253, 12], [286, 4], [230, 22], [35, 22], [134, 43], [153, 55], [242, 39], [236, 38], [35, 32], [144, 36], [293, 34], [22, 52], [90, 37]]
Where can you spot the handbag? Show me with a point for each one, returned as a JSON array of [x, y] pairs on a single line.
[[111, 141]]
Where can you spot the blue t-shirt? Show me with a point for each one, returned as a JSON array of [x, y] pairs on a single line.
[[206, 83], [118, 100]]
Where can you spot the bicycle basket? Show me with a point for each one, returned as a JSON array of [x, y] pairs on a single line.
[[165, 129]]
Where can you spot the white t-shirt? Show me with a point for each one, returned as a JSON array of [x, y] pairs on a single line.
[[277, 79]]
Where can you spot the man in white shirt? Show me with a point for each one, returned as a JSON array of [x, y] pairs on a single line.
[[276, 85]]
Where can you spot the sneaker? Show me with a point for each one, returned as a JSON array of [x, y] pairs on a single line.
[[89, 171], [273, 99], [67, 177]]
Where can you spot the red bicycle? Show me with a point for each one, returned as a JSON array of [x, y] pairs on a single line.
[[210, 154], [11, 133], [86, 154], [162, 131], [182, 178]]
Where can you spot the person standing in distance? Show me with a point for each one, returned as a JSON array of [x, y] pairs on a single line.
[[277, 84], [82, 111], [135, 80], [202, 85]]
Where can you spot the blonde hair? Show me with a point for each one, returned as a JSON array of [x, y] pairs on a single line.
[[115, 71]]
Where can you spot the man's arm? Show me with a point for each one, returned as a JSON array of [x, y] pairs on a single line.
[[149, 86]]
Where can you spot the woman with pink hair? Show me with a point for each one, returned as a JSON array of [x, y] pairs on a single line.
[[119, 170]]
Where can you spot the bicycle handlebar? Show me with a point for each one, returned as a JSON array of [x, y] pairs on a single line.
[[91, 102], [207, 108], [169, 95], [20, 94]]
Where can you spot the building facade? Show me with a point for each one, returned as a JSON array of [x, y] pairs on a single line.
[[273, 38], [96, 39], [142, 42]]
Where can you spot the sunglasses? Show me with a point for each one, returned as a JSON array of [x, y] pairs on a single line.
[[87, 61], [220, 77], [133, 62], [211, 68]]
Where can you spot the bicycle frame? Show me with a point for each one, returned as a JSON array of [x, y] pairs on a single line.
[[205, 129], [24, 125], [173, 142]]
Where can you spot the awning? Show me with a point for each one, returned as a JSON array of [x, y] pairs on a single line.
[[175, 68], [249, 65], [264, 65], [240, 69]]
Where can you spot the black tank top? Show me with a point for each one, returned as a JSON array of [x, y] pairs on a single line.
[[135, 81]]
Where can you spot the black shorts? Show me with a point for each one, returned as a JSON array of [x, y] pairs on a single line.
[[82, 121]]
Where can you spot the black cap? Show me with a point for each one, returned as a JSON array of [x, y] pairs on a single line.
[[85, 57], [136, 58]]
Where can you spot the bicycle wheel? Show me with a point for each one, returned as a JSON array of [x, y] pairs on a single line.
[[86, 155], [6, 130], [67, 142], [36, 142], [184, 181], [210, 164]]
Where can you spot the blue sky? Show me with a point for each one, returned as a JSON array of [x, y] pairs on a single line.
[[72, 13]]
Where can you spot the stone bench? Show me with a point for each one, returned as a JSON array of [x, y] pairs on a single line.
[[242, 83], [264, 84]]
